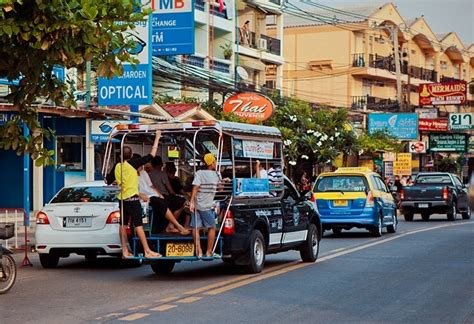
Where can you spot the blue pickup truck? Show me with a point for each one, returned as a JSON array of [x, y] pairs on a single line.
[[435, 192]]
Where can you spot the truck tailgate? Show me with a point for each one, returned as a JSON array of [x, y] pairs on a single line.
[[424, 192]]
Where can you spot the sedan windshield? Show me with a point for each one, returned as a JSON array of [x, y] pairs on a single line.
[[86, 194], [341, 183]]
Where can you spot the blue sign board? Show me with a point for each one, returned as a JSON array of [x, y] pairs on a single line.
[[100, 129], [134, 86], [57, 70], [251, 187], [403, 126], [173, 27], [6, 117]]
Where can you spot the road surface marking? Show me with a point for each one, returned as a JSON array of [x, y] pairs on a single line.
[[167, 299], [133, 317], [138, 307], [189, 300], [322, 259], [163, 308]]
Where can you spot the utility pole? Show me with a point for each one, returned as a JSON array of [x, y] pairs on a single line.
[[394, 32]]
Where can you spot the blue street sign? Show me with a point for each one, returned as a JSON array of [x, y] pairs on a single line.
[[134, 87], [401, 126], [173, 28], [59, 71]]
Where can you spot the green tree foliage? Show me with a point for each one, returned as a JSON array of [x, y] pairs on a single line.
[[36, 35], [379, 141]]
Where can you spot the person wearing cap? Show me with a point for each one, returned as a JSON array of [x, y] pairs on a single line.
[[205, 185]]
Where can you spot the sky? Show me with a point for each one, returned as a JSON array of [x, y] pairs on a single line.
[[442, 15]]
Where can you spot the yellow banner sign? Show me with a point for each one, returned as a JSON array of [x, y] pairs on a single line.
[[402, 166]]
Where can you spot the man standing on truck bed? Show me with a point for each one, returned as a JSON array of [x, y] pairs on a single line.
[[202, 204], [126, 176]]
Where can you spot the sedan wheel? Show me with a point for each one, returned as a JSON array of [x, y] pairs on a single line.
[[393, 228]]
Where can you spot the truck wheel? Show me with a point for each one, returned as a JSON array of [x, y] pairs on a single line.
[[49, 260], [467, 214], [256, 252], [452, 212], [408, 216], [377, 229], [310, 249], [425, 216], [163, 266], [393, 228]]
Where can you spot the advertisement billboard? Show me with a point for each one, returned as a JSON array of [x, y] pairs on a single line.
[[446, 93], [433, 125], [100, 129], [402, 166], [403, 126], [448, 142], [173, 28], [134, 86], [250, 106], [461, 121], [428, 113]]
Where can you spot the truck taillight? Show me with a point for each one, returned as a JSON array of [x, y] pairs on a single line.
[[402, 194], [370, 200], [114, 218], [445, 193], [229, 225], [42, 218]]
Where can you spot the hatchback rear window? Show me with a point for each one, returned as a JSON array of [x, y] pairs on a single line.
[[341, 183], [86, 194]]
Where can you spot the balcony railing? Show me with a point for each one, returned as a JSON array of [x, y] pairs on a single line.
[[273, 44], [194, 60], [422, 73], [216, 12], [266, 43], [448, 79], [199, 4], [220, 67], [374, 103], [378, 62]]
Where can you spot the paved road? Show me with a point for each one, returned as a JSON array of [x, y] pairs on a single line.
[[422, 274]]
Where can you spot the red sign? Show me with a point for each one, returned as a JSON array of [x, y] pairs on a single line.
[[435, 125], [446, 93], [250, 106]]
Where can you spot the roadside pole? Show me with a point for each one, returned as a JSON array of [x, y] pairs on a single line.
[[394, 32]]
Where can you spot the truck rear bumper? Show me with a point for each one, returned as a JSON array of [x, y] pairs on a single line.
[[435, 206]]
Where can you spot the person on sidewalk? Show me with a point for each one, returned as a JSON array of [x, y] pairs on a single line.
[[205, 185], [126, 176]]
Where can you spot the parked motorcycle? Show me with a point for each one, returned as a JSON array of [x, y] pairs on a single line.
[[7, 263]]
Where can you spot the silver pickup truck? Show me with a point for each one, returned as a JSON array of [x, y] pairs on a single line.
[[435, 192]]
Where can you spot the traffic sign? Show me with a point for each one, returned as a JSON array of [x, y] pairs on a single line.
[[417, 147]]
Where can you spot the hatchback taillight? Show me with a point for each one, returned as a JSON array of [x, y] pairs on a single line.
[[42, 218], [114, 218], [229, 225], [370, 200], [445, 193]]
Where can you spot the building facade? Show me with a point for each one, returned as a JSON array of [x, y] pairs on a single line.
[[351, 63]]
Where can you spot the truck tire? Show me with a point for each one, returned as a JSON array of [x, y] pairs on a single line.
[[425, 216], [49, 260], [467, 214], [408, 216], [256, 252], [310, 249], [451, 214], [162, 266]]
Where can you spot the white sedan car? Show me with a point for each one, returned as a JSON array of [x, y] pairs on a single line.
[[82, 219]]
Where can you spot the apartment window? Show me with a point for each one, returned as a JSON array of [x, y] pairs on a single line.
[[443, 65], [69, 150], [413, 51]]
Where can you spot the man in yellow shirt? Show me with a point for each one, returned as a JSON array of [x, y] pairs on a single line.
[[126, 176]]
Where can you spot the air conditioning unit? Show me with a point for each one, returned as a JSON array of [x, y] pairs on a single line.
[[262, 44]]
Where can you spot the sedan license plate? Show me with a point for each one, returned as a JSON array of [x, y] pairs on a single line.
[[179, 249], [77, 222], [340, 203], [423, 206]]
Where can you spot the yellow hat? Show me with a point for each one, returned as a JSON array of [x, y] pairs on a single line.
[[209, 158]]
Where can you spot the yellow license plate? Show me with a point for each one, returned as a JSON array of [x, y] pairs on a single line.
[[340, 203], [179, 249]]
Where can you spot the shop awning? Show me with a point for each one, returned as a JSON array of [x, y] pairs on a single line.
[[251, 63]]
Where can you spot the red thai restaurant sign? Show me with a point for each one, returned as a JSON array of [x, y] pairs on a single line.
[[434, 125], [446, 93], [250, 106]]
